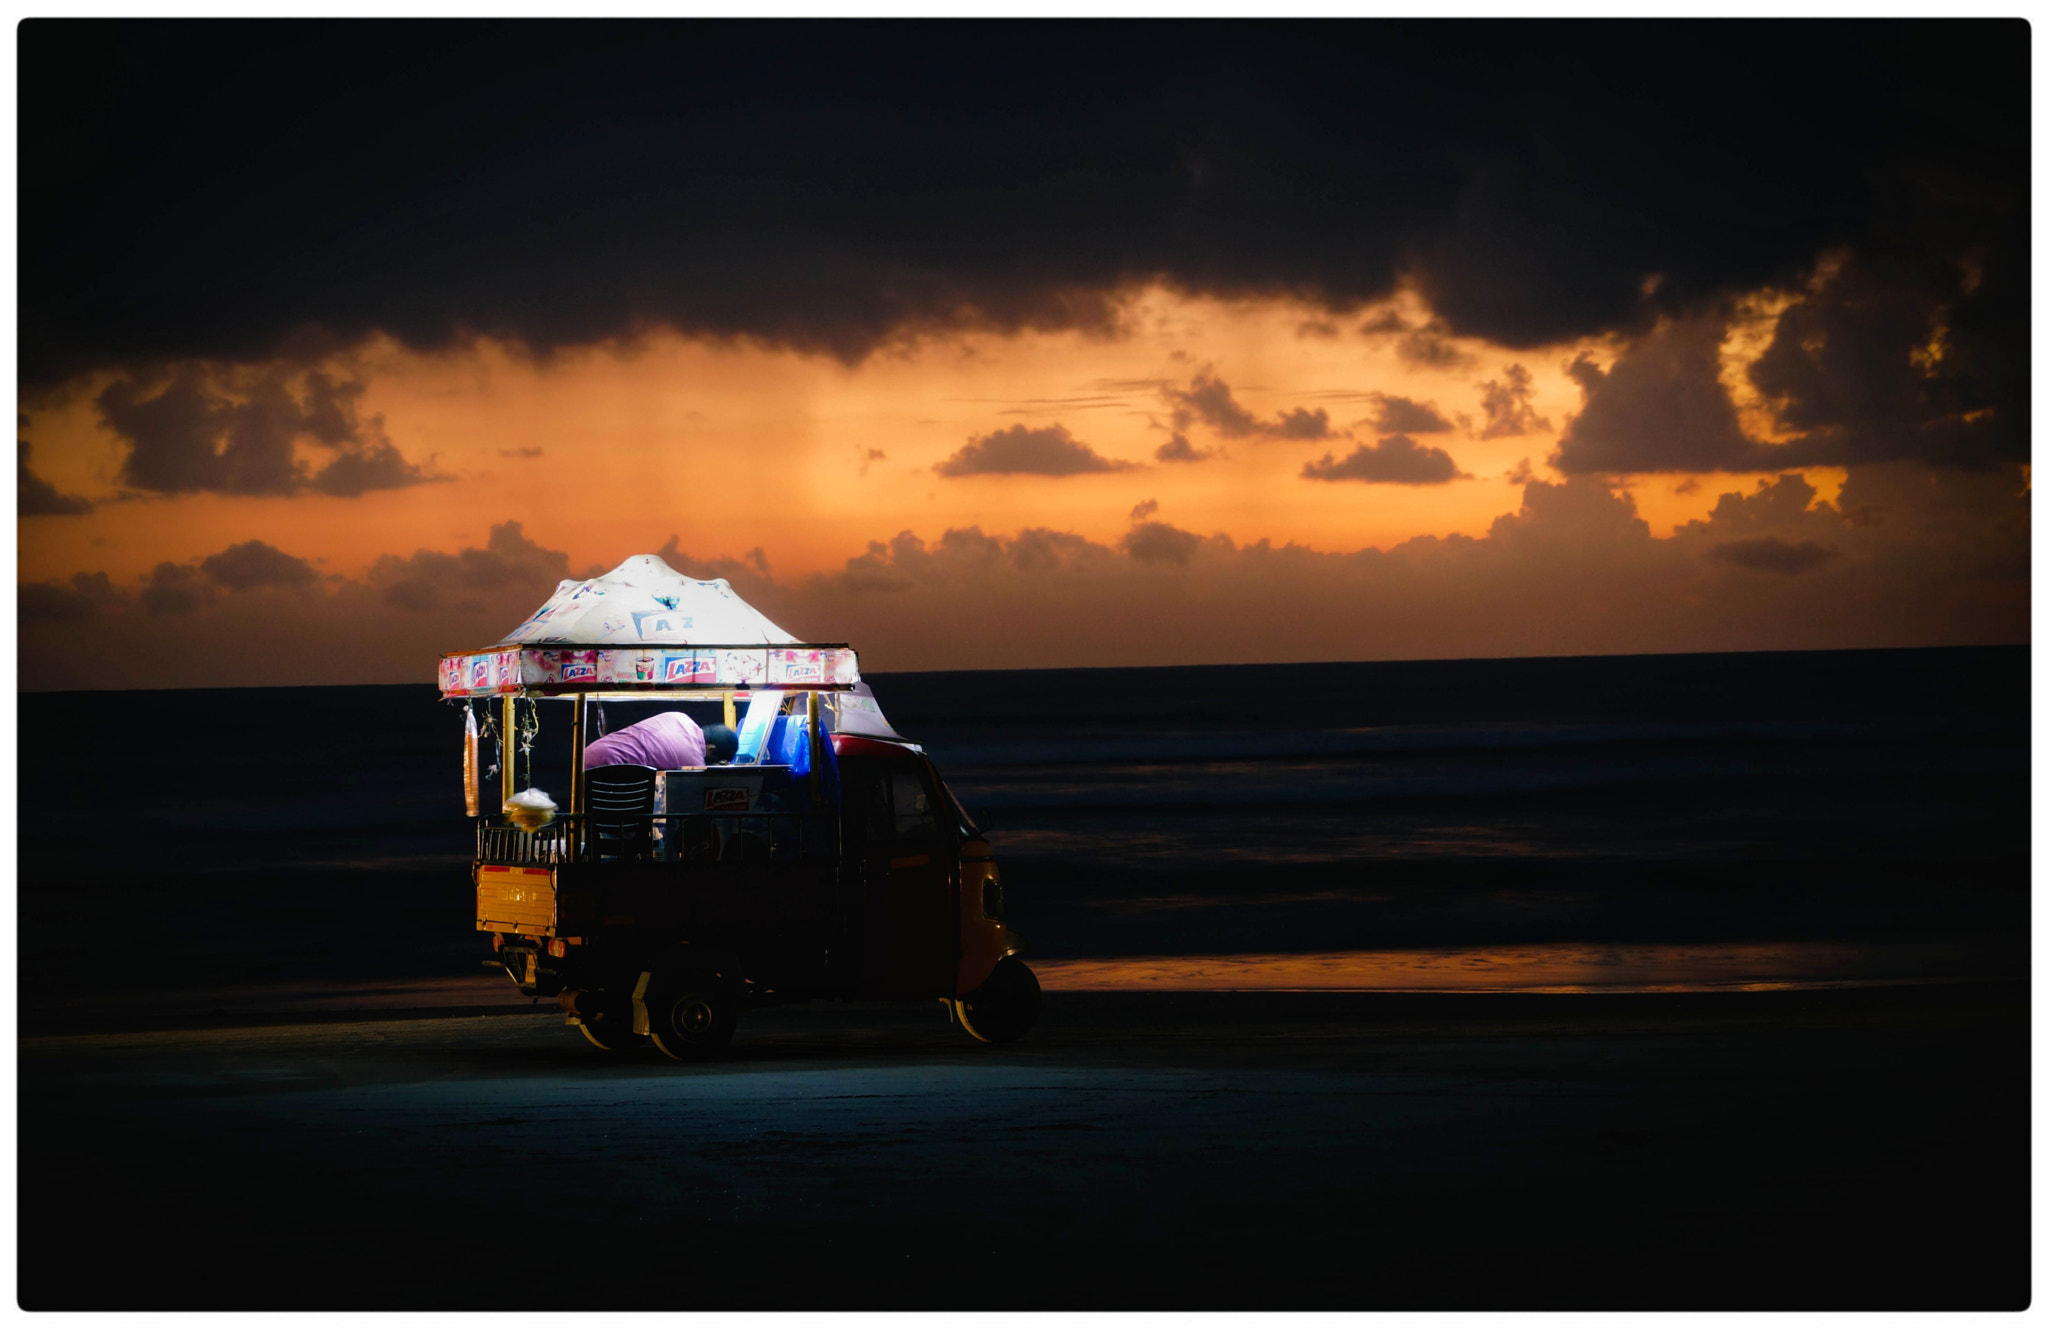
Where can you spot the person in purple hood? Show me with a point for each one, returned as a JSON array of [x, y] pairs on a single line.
[[667, 742]]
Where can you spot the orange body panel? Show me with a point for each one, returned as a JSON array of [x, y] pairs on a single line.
[[515, 899], [983, 940]]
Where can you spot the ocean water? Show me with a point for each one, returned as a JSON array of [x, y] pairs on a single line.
[[1790, 817]]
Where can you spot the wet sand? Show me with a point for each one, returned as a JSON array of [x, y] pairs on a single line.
[[1849, 1148]]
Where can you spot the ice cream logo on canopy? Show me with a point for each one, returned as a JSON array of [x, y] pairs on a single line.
[[645, 624]]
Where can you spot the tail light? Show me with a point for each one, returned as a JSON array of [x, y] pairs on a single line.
[[557, 947]]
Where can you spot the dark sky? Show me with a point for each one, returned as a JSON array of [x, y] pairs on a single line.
[[227, 189]]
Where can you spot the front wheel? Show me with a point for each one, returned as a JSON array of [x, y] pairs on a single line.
[[1004, 1008]]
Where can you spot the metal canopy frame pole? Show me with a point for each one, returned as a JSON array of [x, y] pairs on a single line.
[[508, 749], [576, 775], [817, 775]]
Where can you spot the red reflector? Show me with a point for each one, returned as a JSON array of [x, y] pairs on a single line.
[[557, 947]]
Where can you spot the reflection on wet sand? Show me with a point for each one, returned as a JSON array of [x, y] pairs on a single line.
[[1556, 967]]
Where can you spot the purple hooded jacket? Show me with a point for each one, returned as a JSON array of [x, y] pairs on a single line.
[[666, 742]]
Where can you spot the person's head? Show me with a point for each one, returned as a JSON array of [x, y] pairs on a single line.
[[720, 742]]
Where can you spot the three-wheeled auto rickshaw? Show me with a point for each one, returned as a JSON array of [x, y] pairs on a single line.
[[825, 858]]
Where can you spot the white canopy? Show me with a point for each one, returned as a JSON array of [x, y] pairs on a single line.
[[645, 602], [645, 626]]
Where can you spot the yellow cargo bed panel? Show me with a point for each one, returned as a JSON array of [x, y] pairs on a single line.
[[515, 900]]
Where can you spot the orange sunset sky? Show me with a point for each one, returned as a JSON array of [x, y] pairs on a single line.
[[611, 450]]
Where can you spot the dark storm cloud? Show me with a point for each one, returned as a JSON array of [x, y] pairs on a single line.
[[1396, 460], [190, 435], [1768, 553], [1888, 362], [36, 497], [1022, 451], [226, 191], [254, 564], [1875, 362], [1400, 415], [1505, 401]]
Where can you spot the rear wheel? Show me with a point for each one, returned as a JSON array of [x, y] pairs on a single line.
[[1004, 1008], [607, 1021], [611, 1038], [692, 1012]]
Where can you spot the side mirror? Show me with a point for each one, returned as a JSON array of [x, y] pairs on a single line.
[[984, 818]]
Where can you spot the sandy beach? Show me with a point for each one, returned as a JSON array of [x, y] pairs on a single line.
[[1838, 1148]]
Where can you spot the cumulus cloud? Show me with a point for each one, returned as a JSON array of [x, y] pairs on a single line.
[[200, 432], [1768, 553], [374, 466], [1772, 505], [1301, 423], [1424, 345], [37, 497], [73, 601], [251, 614], [1575, 569], [1020, 450], [1158, 542], [1402, 415], [430, 580], [1208, 399], [1662, 407], [173, 588], [1178, 448], [1912, 556], [253, 564], [1396, 459], [1505, 400], [170, 589]]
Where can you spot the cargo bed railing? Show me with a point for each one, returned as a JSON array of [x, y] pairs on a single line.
[[705, 837]]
